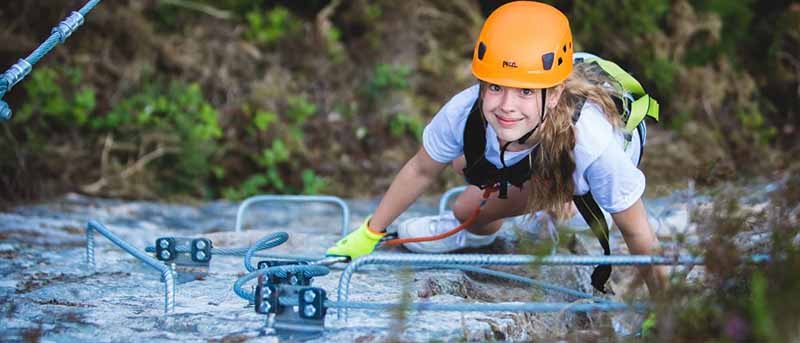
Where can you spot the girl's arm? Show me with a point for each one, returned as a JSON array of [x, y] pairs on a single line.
[[641, 240], [408, 185]]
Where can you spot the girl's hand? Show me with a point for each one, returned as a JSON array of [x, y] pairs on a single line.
[[356, 244]]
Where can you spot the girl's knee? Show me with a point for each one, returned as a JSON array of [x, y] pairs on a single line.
[[465, 204]]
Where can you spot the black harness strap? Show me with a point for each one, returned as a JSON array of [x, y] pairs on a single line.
[[591, 213], [478, 170]]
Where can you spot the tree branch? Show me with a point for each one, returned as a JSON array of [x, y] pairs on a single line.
[[136, 167], [203, 8]]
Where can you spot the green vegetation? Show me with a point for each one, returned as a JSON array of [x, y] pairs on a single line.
[[281, 154], [238, 97], [390, 80], [388, 77], [251, 93], [178, 118], [324, 81], [54, 105], [270, 26]]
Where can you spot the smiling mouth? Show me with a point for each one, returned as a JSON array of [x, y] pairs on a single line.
[[507, 121]]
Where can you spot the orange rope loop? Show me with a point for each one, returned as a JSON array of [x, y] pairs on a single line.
[[486, 193]]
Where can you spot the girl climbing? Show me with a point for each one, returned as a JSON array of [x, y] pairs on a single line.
[[549, 127]]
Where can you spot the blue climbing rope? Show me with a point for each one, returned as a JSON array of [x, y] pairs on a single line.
[[539, 307], [23, 67], [267, 242]]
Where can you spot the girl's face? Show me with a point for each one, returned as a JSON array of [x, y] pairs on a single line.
[[512, 112]]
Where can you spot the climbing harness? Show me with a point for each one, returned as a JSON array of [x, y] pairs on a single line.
[[478, 170], [23, 67]]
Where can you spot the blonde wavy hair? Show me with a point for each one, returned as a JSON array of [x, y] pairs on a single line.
[[552, 186]]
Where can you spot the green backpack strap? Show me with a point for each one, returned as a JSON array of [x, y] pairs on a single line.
[[643, 104]]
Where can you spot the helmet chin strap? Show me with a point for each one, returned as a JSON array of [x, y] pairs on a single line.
[[525, 137], [504, 183]]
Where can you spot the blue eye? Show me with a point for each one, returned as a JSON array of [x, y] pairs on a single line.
[[527, 91], [494, 88]]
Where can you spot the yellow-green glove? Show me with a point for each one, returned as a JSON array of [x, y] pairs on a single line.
[[357, 243]]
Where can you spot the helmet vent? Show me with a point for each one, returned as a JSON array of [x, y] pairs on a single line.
[[481, 50], [564, 48], [547, 60], [560, 61]]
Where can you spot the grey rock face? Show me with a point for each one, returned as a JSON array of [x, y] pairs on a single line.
[[48, 292]]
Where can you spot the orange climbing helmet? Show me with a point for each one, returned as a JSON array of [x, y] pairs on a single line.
[[524, 44]]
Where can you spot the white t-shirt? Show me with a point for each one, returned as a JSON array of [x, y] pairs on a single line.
[[601, 164]]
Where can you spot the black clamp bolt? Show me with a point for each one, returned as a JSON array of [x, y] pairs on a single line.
[[201, 250], [291, 278], [312, 303], [266, 298], [298, 279], [165, 249]]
